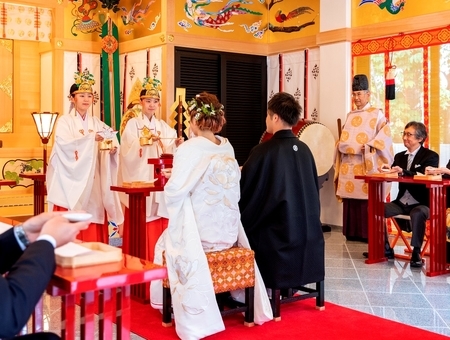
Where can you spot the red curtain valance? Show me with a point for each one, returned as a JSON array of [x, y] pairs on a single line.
[[401, 41]]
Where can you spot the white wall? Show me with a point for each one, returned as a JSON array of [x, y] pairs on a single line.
[[335, 14], [335, 91]]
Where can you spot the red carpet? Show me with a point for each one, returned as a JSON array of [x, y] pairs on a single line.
[[300, 320]]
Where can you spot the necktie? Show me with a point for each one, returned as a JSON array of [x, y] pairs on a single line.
[[410, 159]]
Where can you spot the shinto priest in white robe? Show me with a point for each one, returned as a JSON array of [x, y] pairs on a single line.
[[79, 174], [202, 198]]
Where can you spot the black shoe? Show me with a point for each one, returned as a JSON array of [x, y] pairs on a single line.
[[387, 253], [416, 260]]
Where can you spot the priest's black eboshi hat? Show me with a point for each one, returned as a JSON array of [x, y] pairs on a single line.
[[360, 83]]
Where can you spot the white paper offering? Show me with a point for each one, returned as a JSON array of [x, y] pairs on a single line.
[[4, 227], [107, 133], [72, 249]]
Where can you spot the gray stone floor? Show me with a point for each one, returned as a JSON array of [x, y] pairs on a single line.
[[391, 290]]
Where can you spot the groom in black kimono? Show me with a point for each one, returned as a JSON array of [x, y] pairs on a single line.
[[280, 207]]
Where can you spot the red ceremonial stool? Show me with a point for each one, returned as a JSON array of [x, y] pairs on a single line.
[[281, 296], [400, 234], [231, 269]]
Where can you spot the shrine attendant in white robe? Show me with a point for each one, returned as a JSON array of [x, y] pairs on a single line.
[[79, 174], [142, 123], [202, 198]]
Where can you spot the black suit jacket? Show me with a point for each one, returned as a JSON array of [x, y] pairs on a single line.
[[424, 157], [29, 273]]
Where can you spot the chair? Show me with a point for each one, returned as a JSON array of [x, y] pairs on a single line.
[[281, 296], [401, 234], [231, 269]]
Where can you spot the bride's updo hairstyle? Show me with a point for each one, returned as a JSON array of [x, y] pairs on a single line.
[[207, 112]]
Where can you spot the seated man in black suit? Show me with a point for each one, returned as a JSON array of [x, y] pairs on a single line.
[[412, 199], [27, 255]]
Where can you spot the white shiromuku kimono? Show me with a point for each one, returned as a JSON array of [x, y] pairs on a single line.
[[202, 198], [364, 145], [134, 159], [79, 174]]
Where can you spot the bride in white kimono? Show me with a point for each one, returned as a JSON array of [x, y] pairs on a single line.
[[202, 198]]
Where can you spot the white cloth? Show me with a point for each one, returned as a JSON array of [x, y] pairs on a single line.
[[202, 198], [79, 175], [134, 160]]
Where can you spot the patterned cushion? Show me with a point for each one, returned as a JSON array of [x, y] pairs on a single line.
[[230, 269]]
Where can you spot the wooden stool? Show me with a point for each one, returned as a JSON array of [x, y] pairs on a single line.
[[401, 235], [231, 269], [280, 296]]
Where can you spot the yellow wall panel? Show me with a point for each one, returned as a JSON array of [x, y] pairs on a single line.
[[367, 12]]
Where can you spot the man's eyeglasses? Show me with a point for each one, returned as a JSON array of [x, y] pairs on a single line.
[[407, 134]]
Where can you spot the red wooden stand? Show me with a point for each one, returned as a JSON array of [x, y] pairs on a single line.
[[137, 235], [108, 280], [39, 191], [437, 263], [7, 182]]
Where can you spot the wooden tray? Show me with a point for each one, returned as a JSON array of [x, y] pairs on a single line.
[[387, 175], [138, 184], [97, 253], [429, 177]]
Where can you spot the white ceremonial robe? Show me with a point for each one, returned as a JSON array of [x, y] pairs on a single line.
[[79, 175], [202, 198], [134, 160]]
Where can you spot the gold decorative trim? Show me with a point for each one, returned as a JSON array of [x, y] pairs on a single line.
[[162, 38], [7, 44], [7, 127], [6, 86]]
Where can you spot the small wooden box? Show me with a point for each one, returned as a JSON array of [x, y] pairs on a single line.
[[429, 177], [100, 253], [138, 184], [386, 174]]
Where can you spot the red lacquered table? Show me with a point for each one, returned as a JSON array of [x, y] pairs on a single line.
[[112, 283], [437, 263], [39, 191], [7, 182], [136, 237]]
